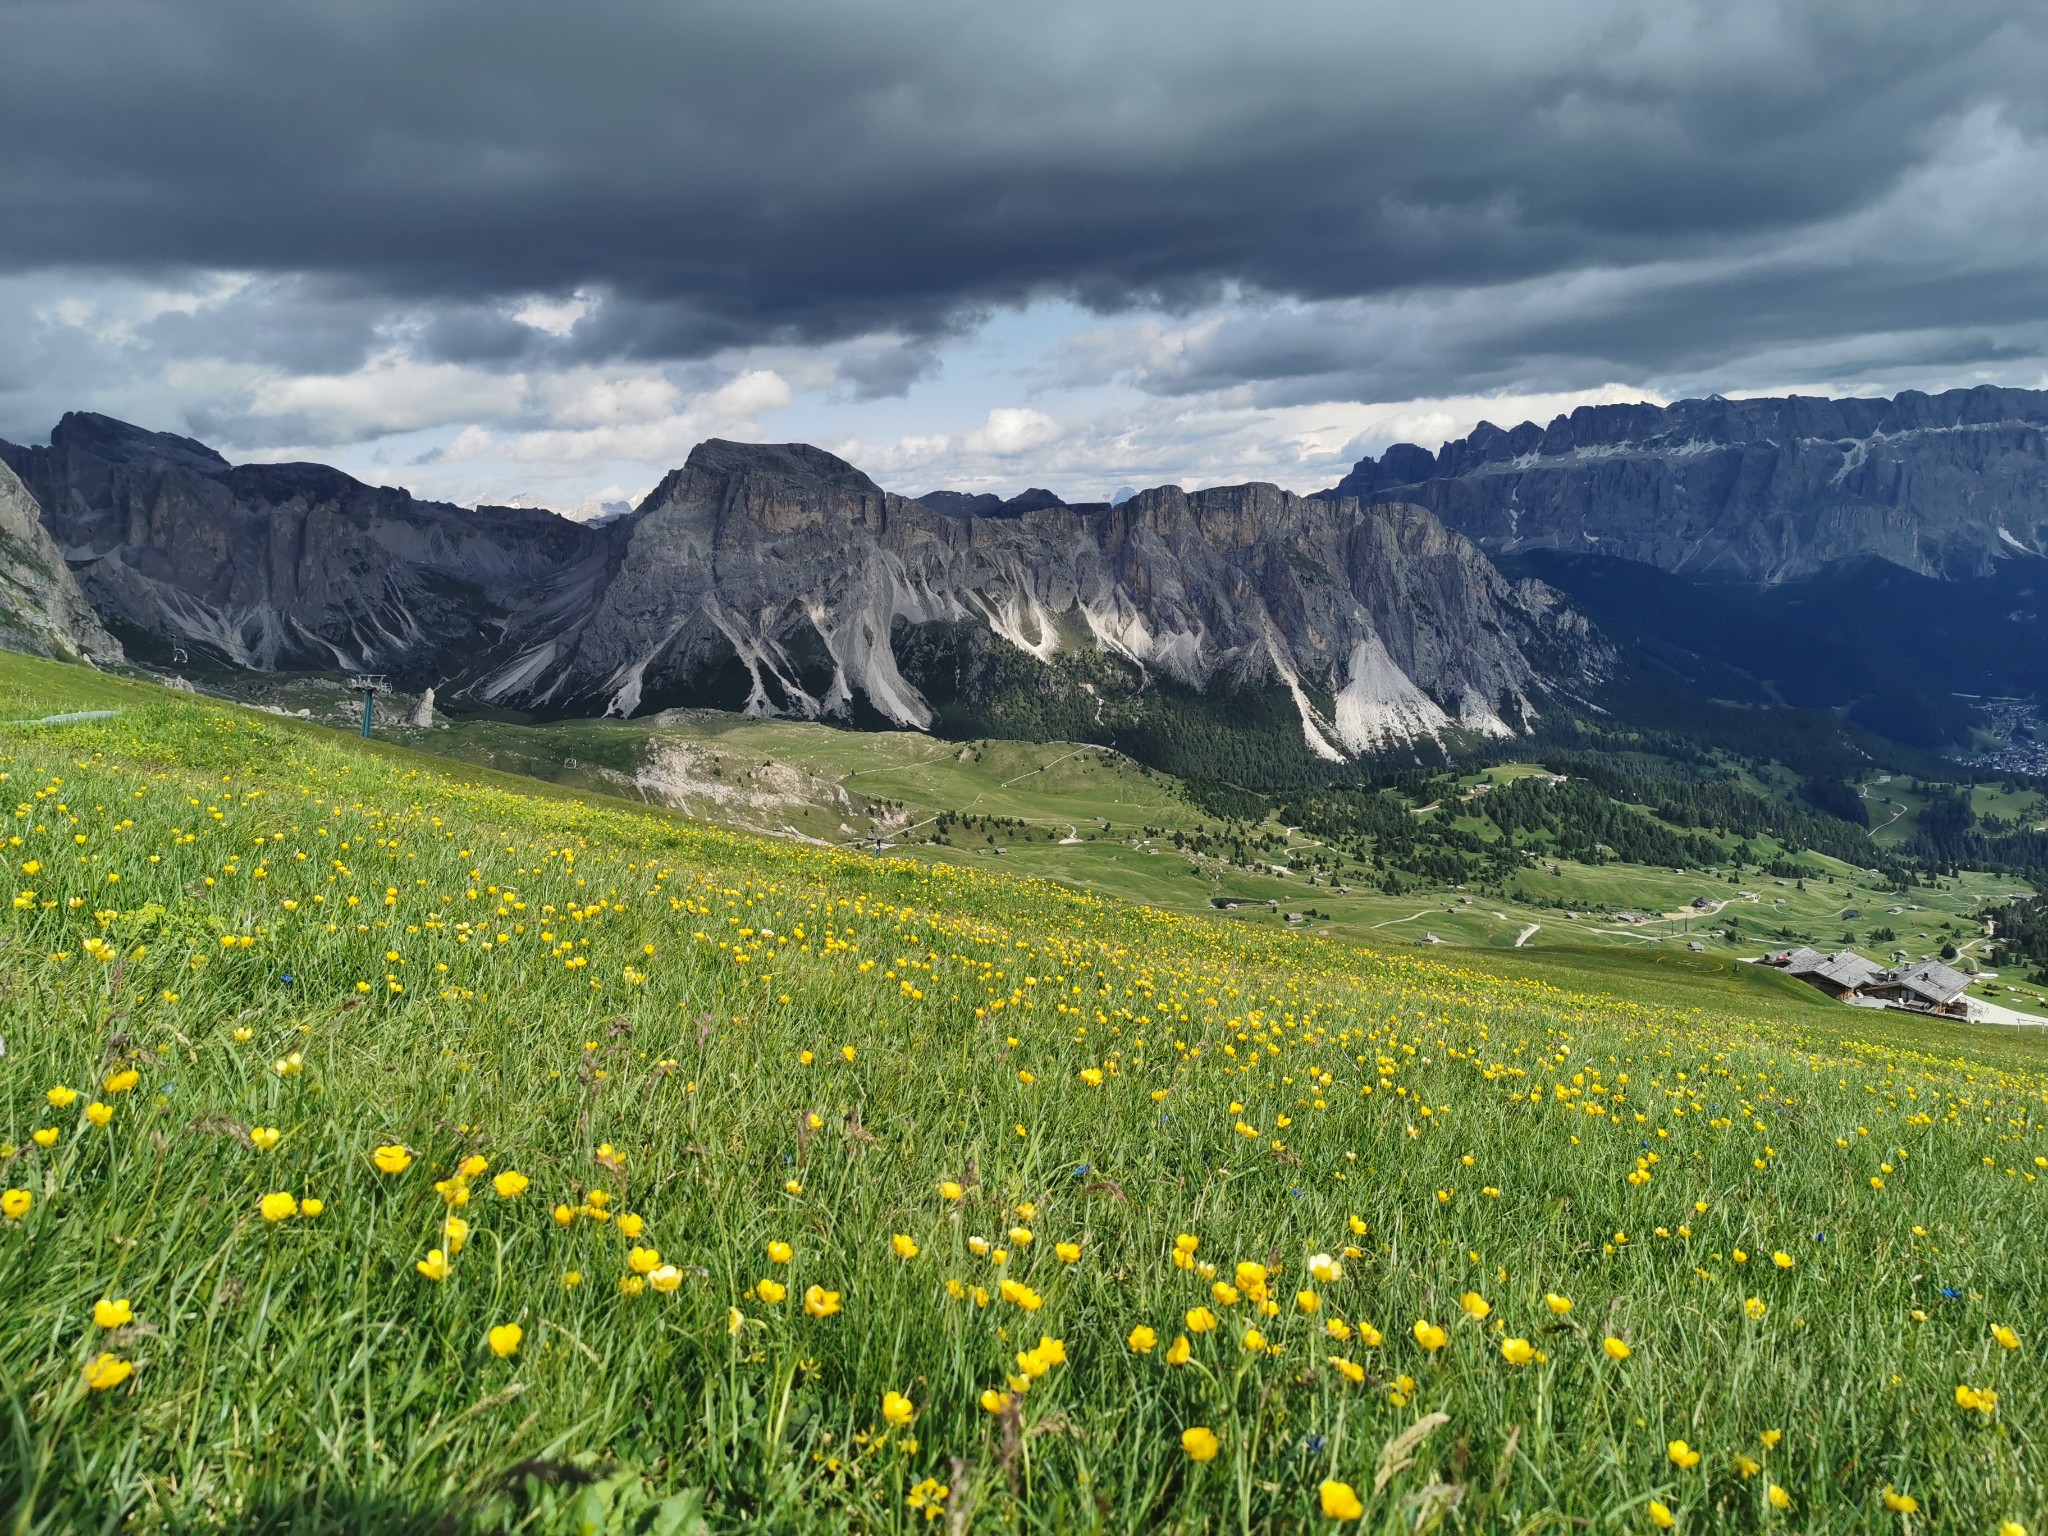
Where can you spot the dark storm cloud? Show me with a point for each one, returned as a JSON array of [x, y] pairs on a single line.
[[730, 175]]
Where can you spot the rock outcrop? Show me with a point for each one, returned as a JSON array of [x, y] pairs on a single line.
[[1946, 485], [41, 609], [780, 579], [794, 577]]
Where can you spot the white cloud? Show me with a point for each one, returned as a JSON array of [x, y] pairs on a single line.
[[112, 311], [1010, 430], [730, 410], [393, 392], [553, 317], [753, 392], [606, 397]]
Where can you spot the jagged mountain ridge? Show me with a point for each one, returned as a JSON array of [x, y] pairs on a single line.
[[1764, 490], [295, 565], [807, 572], [782, 579]]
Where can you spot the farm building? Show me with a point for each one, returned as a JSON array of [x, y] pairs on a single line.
[[1926, 987], [1840, 975], [1929, 987]]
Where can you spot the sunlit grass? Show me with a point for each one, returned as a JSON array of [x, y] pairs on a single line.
[[695, 1048]]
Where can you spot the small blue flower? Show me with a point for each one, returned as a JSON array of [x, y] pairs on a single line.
[[286, 978], [1951, 1293]]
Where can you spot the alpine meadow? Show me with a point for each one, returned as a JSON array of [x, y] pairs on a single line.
[[394, 1146]]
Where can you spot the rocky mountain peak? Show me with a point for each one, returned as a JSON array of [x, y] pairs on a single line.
[[105, 438]]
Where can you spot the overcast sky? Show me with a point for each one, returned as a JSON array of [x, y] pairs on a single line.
[[492, 248]]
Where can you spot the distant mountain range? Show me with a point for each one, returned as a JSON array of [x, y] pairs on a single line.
[[780, 579], [1863, 555], [1875, 556], [1948, 485]]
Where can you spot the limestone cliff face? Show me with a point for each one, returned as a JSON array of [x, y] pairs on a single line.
[[780, 579], [294, 565], [41, 608], [1754, 490], [795, 574]]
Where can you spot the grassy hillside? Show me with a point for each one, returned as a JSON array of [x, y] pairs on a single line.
[[1093, 820], [395, 1146]]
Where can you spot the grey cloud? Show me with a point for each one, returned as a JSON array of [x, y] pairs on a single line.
[[789, 173], [888, 371]]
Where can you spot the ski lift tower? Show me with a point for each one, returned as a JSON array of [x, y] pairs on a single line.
[[369, 684]]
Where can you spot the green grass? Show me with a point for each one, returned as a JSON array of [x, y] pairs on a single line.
[[850, 788], [743, 1041]]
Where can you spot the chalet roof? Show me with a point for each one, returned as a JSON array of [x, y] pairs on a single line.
[[1929, 979], [1845, 969]]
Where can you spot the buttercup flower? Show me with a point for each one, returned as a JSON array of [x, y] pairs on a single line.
[[106, 1371], [505, 1340], [1200, 1443], [1340, 1501], [819, 1302]]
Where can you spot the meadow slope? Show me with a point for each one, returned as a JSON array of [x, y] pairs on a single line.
[[390, 1146]]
